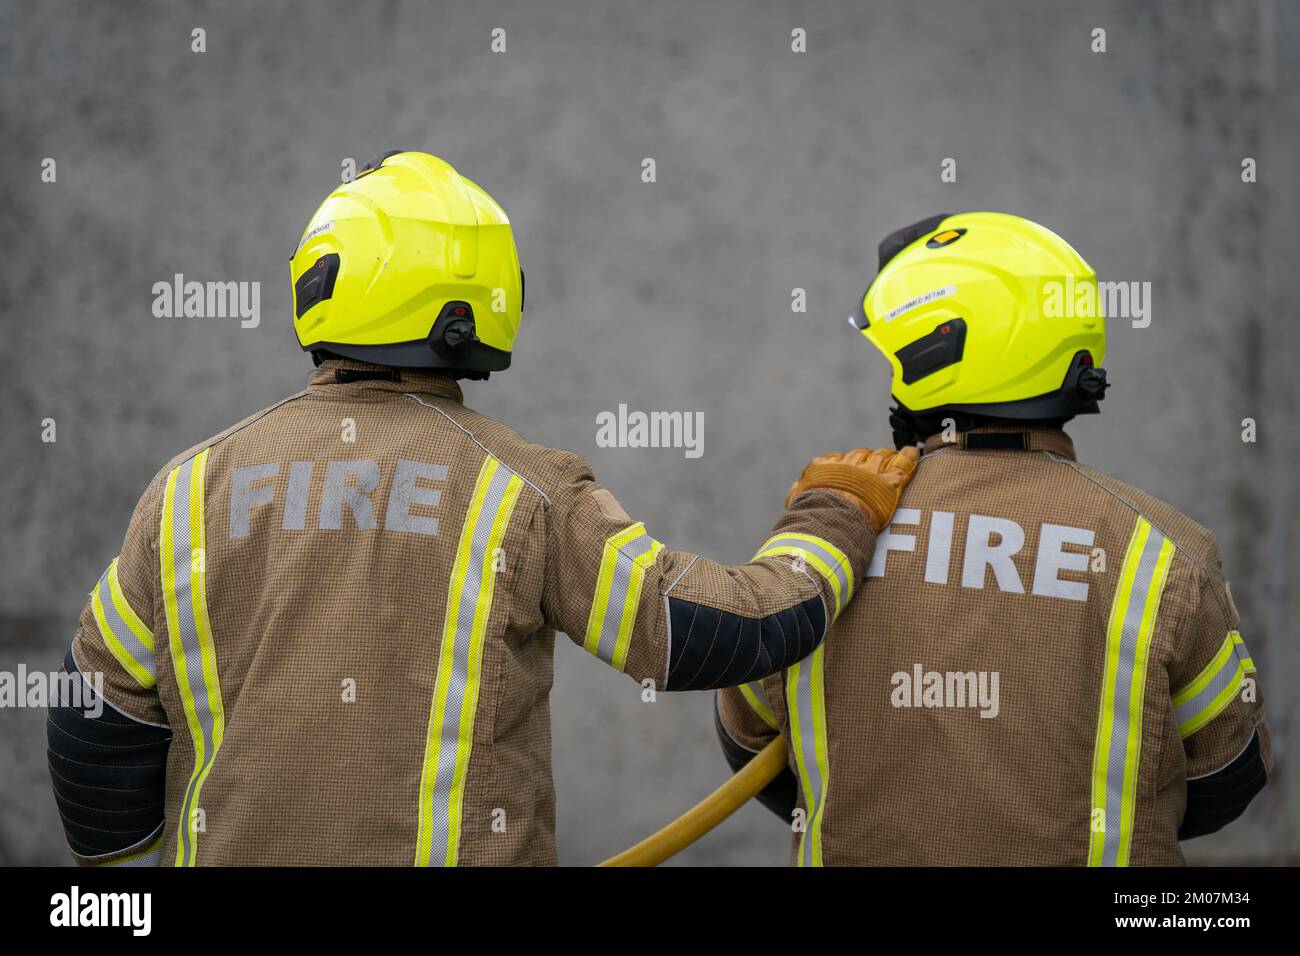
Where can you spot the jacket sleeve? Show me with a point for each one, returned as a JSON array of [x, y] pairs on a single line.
[[746, 723], [107, 733], [1219, 710], [685, 622]]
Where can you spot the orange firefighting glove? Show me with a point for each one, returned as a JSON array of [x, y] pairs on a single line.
[[872, 480]]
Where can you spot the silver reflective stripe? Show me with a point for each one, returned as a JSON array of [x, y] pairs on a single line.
[[122, 631], [1129, 632], [463, 648], [620, 581], [151, 855], [1119, 734], [152, 858], [806, 740], [188, 634], [834, 562], [1229, 674]]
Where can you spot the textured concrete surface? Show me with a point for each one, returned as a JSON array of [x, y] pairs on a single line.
[[775, 170]]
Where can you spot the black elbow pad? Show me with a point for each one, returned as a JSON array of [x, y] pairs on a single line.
[[781, 795], [710, 648], [109, 772], [1215, 800]]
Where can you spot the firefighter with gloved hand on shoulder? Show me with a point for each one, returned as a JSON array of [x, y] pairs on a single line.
[[427, 565], [1042, 664]]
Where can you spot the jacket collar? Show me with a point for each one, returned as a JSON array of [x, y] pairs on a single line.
[[1007, 437], [333, 377]]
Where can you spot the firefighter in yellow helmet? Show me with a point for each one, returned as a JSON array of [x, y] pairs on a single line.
[[1043, 664], [328, 635]]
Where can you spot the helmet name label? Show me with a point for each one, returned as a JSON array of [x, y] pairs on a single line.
[[313, 232], [917, 302]]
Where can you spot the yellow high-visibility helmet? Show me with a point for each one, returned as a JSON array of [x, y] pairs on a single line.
[[986, 314], [409, 265]]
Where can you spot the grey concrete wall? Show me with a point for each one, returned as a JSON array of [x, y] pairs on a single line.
[[775, 170]]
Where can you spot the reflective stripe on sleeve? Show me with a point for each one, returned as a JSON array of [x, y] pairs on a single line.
[[753, 694], [124, 634], [449, 739], [1117, 750], [150, 855], [1214, 687], [829, 561], [805, 699], [1247, 662], [183, 568], [623, 564]]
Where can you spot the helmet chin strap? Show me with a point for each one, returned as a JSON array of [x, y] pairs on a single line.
[[904, 427], [911, 428]]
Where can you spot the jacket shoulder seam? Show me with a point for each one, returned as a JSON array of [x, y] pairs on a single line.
[[231, 431], [1178, 548], [486, 450]]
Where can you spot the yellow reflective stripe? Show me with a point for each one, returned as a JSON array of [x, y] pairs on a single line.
[[1137, 697], [805, 700], [809, 558], [138, 669], [631, 603], [624, 560], [183, 571], [1117, 746], [446, 654], [1214, 687], [1101, 745], [449, 738], [820, 737], [199, 602], [1247, 662], [829, 561], [137, 626], [1216, 705], [165, 546], [753, 694], [840, 558], [469, 705], [1202, 680], [604, 582], [199, 599], [798, 733]]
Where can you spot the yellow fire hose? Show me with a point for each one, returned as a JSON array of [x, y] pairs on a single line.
[[709, 812]]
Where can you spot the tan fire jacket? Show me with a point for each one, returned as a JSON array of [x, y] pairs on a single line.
[[1040, 660], [344, 609]]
